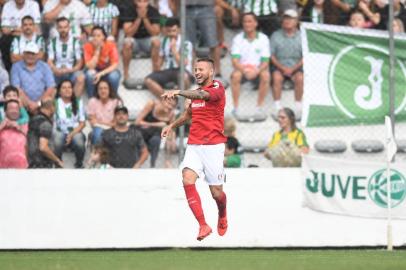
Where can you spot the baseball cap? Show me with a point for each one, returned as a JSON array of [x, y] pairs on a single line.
[[121, 108], [31, 47], [291, 13]]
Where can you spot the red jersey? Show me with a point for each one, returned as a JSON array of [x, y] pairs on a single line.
[[208, 117]]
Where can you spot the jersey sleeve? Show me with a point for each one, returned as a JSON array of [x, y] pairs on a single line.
[[301, 140], [265, 50], [235, 49], [216, 91]]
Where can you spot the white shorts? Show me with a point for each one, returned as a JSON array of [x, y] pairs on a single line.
[[206, 161]]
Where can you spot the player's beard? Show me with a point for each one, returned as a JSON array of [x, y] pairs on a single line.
[[204, 81]]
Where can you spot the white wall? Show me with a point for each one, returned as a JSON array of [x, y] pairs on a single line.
[[146, 208]]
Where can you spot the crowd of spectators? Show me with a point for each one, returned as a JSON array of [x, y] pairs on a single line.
[[60, 59]]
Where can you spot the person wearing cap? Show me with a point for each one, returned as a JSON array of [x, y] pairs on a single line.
[[125, 142], [33, 78], [28, 35], [287, 61]]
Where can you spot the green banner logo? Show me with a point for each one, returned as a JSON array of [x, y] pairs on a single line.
[[377, 188]]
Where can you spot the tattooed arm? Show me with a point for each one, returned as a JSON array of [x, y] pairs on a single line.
[[190, 94]]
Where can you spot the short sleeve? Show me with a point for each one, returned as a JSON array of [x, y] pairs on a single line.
[[6, 16], [301, 140], [49, 76], [77, 48], [140, 140], [113, 53], [273, 43], [273, 140], [15, 48], [114, 11], [87, 52], [265, 49], [85, 18], [216, 91], [15, 75], [35, 12], [154, 15], [91, 107], [82, 116], [45, 130], [235, 48]]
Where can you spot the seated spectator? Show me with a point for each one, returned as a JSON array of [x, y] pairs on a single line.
[[228, 9], [169, 56], [357, 19], [141, 28], [40, 154], [12, 93], [378, 13], [65, 56], [153, 117], [125, 143], [4, 77], [76, 11], [101, 61], [250, 58], [267, 14], [287, 61], [398, 26], [100, 110], [232, 159], [13, 12], [318, 11], [99, 158], [13, 138], [287, 144], [167, 8], [33, 78], [344, 8], [28, 35], [105, 14], [69, 122], [201, 23]]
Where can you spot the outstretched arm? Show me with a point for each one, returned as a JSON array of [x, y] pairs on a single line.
[[190, 94]]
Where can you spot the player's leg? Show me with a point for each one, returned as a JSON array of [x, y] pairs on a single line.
[[213, 157], [192, 167]]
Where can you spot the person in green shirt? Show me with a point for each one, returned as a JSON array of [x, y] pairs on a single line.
[[232, 158]]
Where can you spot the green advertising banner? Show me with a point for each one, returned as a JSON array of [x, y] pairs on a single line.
[[346, 74], [353, 188]]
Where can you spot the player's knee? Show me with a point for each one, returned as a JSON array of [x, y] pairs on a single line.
[[189, 176]]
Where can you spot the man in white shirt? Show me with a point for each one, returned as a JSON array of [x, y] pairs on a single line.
[[12, 13], [169, 57], [250, 57], [76, 12]]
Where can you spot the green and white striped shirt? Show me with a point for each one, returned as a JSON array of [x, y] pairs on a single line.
[[261, 7], [64, 54], [19, 43], [103, 16], [236, 3], [169, 59], [65, 120]]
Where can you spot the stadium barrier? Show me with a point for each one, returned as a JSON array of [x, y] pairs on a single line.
[[68, 209]]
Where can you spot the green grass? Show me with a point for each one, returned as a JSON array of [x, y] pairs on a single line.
[[178, 259]]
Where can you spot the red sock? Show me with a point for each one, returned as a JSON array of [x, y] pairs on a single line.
[[222, 205], [195, 204]]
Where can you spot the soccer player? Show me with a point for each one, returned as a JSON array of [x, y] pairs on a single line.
[[205, 149]]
